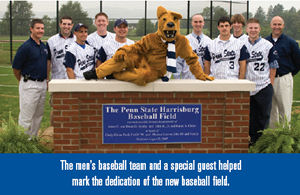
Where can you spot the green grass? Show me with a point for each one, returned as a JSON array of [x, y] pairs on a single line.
[[9, 97], [297, 87]]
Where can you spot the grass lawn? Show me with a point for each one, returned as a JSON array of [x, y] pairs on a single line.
[[9, 97]]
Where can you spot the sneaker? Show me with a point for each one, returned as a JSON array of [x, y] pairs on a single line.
[[91, 74]]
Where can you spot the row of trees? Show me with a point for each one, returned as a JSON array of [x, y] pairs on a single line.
[[22, 14]]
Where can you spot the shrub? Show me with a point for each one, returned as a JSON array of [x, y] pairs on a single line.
[[285, 138], [13, 139]]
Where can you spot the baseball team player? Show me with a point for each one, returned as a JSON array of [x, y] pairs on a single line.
[[261, 69], [99, 37], [198, 42], [288, 60], [30, 69], [109, 48], [80, 56], [57, 46], [238, 22], [225, 57]]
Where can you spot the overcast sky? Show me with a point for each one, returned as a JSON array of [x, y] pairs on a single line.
[[135, 8]]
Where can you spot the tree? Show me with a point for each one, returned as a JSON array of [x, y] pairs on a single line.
[[260, 15], [270, 14], [140, 28], [218, 12], [278, 10], [21, 17], [50, 26], [74, 10]]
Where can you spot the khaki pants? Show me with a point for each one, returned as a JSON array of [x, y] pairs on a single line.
[[282, 99], [32, 96]]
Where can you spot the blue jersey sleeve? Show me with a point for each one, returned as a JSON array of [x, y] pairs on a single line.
[[20, 58], [207, 56], [244, 54], [70, 60], [101, 55], [49, 51], [273, 58]]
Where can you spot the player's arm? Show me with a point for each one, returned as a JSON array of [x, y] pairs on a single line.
[[272, 60], [207, 67], [18, 61], [69, 62], [17, 74], [70, 73], [242, 72], [207, 59], [48, 69], [295, 57], [244, 55], [272, 75], [48, 61], [100, 57]]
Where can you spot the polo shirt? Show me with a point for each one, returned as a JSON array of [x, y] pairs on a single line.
[[31, 59], [288, 54]]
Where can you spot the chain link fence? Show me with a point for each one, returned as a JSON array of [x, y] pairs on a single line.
[[15, 16]]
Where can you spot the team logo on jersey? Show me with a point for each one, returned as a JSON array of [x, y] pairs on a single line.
[[200, 51], [58, 53], [228, 55], [83, 64], [255, 56]]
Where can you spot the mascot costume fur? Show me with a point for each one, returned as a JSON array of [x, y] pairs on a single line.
[[152, 57]]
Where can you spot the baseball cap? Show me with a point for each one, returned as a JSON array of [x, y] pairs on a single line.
[[120, 21], [78, 26]]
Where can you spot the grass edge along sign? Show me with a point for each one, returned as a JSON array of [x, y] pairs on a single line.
[[151, 123]]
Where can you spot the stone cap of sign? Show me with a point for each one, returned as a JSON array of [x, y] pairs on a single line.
[[174, 85]]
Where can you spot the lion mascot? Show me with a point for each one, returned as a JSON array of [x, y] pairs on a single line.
[[152, 57]]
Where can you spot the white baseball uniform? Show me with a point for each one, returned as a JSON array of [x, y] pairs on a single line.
[[243, 38], [57, 46], [97, 41], [80, 59], [224, 57], [261, 59], [109, 49], [183, 70]]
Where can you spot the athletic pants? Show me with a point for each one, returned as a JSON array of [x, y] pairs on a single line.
[[260, 108]]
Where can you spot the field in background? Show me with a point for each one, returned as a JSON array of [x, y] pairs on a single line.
[[9, 101]]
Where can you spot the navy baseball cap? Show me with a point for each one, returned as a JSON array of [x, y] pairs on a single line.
[[120, 21], [78, 26]]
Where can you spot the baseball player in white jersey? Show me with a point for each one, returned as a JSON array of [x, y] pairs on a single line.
[[57, 46], [99, 37], [238, 22], [80, 56], [109, 48], [225, 57], [261, 69], [199, 42]]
